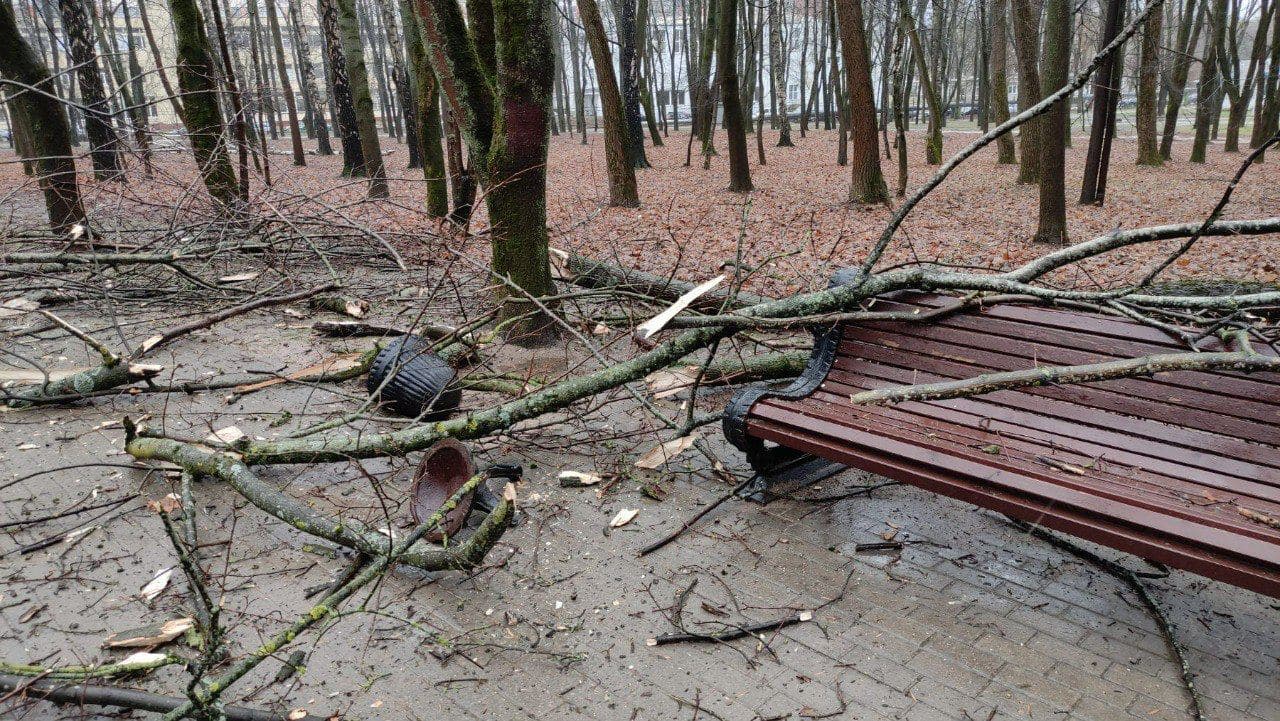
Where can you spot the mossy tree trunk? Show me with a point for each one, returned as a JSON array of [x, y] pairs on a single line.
[[1000, 78], [505, 117], [1026, 36], [1148, 83], [340, 90], [286, 85], [622, 174], [43, 124], [867, 185], [426, 114], [201, 114], [933, 144], [361, 100], [734, 123], [104, 143]]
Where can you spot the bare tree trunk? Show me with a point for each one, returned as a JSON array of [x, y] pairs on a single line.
[[622, 174], [104, 144], [1026, 31], [1148, 79], [1207, 88], [1053, 203], [933, 145], [426, 113], [1000, 78], [735, 131], [362, 102], [200, 102], [319, 124], [44, 125], [1106, 96], [867, 185], [1188, 38], [286, 87], [778, 73], [340, 91]]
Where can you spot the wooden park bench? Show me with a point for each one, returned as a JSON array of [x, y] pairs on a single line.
[[1182, 468]]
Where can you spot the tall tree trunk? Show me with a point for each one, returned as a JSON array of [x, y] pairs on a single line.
[[778, 73], [1240, 93], [622, 174], [286, 87], [1148, 79], [1208, 101], [629, 63], [174, 101], [138, 105], [1053, 203], [104, 144], [1026, 32], [735, 130], [1000, 78], [1269, 116], [426, 113], [340, 90], [201, 115], [44, 125], [900, 66], [867, 185], [1106, 96], [1188, 38], [307, 72], [361, 101], [933, 144]]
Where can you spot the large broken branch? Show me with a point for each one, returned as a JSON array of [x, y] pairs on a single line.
[[347, 532], [1244, 360], [590, 273], [101, 695]]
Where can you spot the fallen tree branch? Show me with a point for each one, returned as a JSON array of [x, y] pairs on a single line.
[[1245, 360], [591, 273], [84, 673], [347, 532], [1134, 581], [99, 695], [386, 557]]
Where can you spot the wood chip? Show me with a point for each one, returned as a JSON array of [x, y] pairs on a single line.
[[623, 517], [665, 452]]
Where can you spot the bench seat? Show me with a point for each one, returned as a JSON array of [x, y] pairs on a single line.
[[1182, 468]]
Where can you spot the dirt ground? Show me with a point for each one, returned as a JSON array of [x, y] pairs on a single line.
[[973, 620]]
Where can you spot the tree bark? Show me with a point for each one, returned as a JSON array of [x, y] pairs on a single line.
[[867, 185], [734, 123], [1106, 96], [361, 100], [1208, 100], [778, 73], [1148, 80], [933, 145], [1026, 32], [307, 72], [1000, 78], [104, 144], [1188, 38], [201, 114], [44, 123], [1053, 203], [340, 90], [426, 98], [622, 174], [286, 87]]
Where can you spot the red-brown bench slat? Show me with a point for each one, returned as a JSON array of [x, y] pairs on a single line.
[[1182, 468]]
